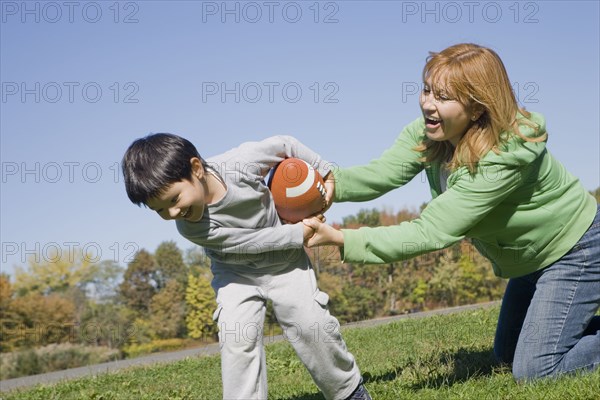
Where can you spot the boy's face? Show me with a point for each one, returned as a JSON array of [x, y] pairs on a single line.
[[183, 199]]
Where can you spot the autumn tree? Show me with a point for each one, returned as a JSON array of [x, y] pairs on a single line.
[[169, 265], [67, 282], [40, 320], [362, 302], [56, 271], [364, 217], [465, 279], [139, 282], [200, 300], [8, 317], [167, 311], [419, 294], [106, 323], [443, 286]]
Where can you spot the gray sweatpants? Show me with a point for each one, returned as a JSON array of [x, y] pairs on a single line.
[[301, 310]]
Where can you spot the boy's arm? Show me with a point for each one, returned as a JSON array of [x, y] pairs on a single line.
[[251, 241], [257, 158]]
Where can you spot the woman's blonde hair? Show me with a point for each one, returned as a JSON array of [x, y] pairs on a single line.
[[474, 76]]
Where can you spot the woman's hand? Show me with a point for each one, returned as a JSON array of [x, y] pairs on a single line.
[[323, 234]]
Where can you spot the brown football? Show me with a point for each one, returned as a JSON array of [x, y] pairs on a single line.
[[298, 190]]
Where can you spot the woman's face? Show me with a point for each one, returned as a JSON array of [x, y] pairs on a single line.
[[445, 118]]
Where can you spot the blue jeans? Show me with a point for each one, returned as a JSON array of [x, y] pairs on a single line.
[[547, 324]]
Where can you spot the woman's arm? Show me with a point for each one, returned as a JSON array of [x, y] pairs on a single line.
[[445, 220], [395, 167]]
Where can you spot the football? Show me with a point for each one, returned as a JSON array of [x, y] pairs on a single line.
[[298, 190]]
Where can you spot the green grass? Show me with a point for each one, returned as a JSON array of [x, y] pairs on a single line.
[[439, 357]]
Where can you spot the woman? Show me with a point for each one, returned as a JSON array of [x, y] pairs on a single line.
[[493, 181]]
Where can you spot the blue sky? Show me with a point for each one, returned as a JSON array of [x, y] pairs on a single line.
[[81, 81]]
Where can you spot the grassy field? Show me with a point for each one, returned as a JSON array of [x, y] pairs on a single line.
[[439, 357]]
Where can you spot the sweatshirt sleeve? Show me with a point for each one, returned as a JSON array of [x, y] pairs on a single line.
[[394, 168], [259, 157], [444, 221], [244, 241]]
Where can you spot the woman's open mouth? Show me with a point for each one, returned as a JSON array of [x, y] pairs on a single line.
[[432, 123]]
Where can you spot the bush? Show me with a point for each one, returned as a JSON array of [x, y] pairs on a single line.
[[53, 358], [25, 363]]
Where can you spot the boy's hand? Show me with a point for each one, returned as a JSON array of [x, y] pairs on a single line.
[[308, 232], [329, 181]]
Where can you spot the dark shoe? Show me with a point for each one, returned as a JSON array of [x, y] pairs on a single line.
[[360, 393]]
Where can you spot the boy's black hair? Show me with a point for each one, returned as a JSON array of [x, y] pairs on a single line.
[[154, 162]]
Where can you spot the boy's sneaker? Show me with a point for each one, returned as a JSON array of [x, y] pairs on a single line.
[[360, 393]]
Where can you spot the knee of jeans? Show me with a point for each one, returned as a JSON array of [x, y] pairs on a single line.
[[527, 369], [522, 373]]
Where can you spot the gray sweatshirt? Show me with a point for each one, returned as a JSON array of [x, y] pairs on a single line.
[[242, 231]]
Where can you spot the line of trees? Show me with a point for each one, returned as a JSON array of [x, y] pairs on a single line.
[[449, 277], [60, 310]]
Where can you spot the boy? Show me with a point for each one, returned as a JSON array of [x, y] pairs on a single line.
[[223, 205]]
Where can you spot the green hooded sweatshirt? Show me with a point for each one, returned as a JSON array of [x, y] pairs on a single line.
[[522, 209]]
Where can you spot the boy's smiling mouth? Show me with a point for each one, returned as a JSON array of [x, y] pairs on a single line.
[[186, 213]]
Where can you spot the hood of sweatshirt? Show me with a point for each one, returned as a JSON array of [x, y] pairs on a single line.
[[517, 151]]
